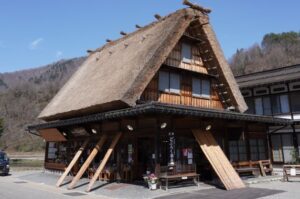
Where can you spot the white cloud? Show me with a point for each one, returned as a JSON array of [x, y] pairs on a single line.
[[59, 54], [35, 43]]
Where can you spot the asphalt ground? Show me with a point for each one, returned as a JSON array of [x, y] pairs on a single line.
[[36, 185]]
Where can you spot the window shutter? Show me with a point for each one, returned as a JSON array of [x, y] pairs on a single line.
[[205, 88], [186, 52], [258, 106], [163, 81], [267, 106], [284, 103], [174, 83], [196, 84]]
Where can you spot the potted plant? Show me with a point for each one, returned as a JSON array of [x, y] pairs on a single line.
[[152, 181]]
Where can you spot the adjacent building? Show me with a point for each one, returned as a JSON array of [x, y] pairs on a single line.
[[276, 93]]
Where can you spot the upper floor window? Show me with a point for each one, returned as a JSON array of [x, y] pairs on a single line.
[[261, 91], [262, 106], [279, 88], [186, 52], [250, 103], [295, 86], [295, 101], [201, 87], [169, 82], [280, 104]]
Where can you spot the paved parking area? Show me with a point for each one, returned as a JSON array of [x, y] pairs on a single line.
[[36, 185], [12, 187], [247, 193]]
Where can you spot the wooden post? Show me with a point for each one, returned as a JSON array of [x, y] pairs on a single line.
[[104, 161], [74, 160], [88, 161]]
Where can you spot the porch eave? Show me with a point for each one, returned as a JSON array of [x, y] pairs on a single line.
[[163, 109]]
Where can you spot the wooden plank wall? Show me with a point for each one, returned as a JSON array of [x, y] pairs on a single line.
[[174, 59], [185, 97]]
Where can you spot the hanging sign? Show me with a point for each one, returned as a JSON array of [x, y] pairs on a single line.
[[172, 148]]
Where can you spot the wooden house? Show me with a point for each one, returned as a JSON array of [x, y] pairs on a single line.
[[276, 93], [160, 100]]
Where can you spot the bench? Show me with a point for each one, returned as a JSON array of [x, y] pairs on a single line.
[[254, 168], [184, 176], [246, 167], [287, 169], [172, 174]]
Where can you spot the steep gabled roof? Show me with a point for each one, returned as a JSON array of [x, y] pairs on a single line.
[[115, 75]]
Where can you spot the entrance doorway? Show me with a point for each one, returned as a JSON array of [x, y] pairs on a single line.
[[145, 156]]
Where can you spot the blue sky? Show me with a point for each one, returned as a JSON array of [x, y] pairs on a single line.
[[39, 32]]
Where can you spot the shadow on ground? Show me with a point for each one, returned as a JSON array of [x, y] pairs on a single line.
[[246, 193]]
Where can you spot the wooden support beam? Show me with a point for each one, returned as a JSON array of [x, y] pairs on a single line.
[[218, 160], [73, 162], [104, 161], [88, 161], [123, 33], [196, 7], [157, 16], [212, 68], [138, 26]]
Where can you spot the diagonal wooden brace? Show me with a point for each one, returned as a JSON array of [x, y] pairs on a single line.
[[72, 163], [88, 161], [104, 161]]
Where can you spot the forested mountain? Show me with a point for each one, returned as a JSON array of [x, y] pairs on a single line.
[[24, 94], [275, 51]]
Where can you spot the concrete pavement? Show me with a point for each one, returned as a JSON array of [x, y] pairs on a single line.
[[12, 187], [36, 185]]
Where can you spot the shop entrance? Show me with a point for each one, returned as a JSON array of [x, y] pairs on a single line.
[[145, 156]]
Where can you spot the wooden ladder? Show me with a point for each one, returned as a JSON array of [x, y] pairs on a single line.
[[73, 162], [218, 160]]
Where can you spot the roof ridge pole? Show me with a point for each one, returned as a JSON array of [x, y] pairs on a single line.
[[196, 7]]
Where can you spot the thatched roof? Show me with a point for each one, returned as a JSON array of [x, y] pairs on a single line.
[[115, 75]]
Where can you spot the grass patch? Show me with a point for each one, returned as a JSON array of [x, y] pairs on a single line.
[[26, 163]]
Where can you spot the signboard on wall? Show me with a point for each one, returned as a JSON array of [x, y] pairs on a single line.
[[172, 148]]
